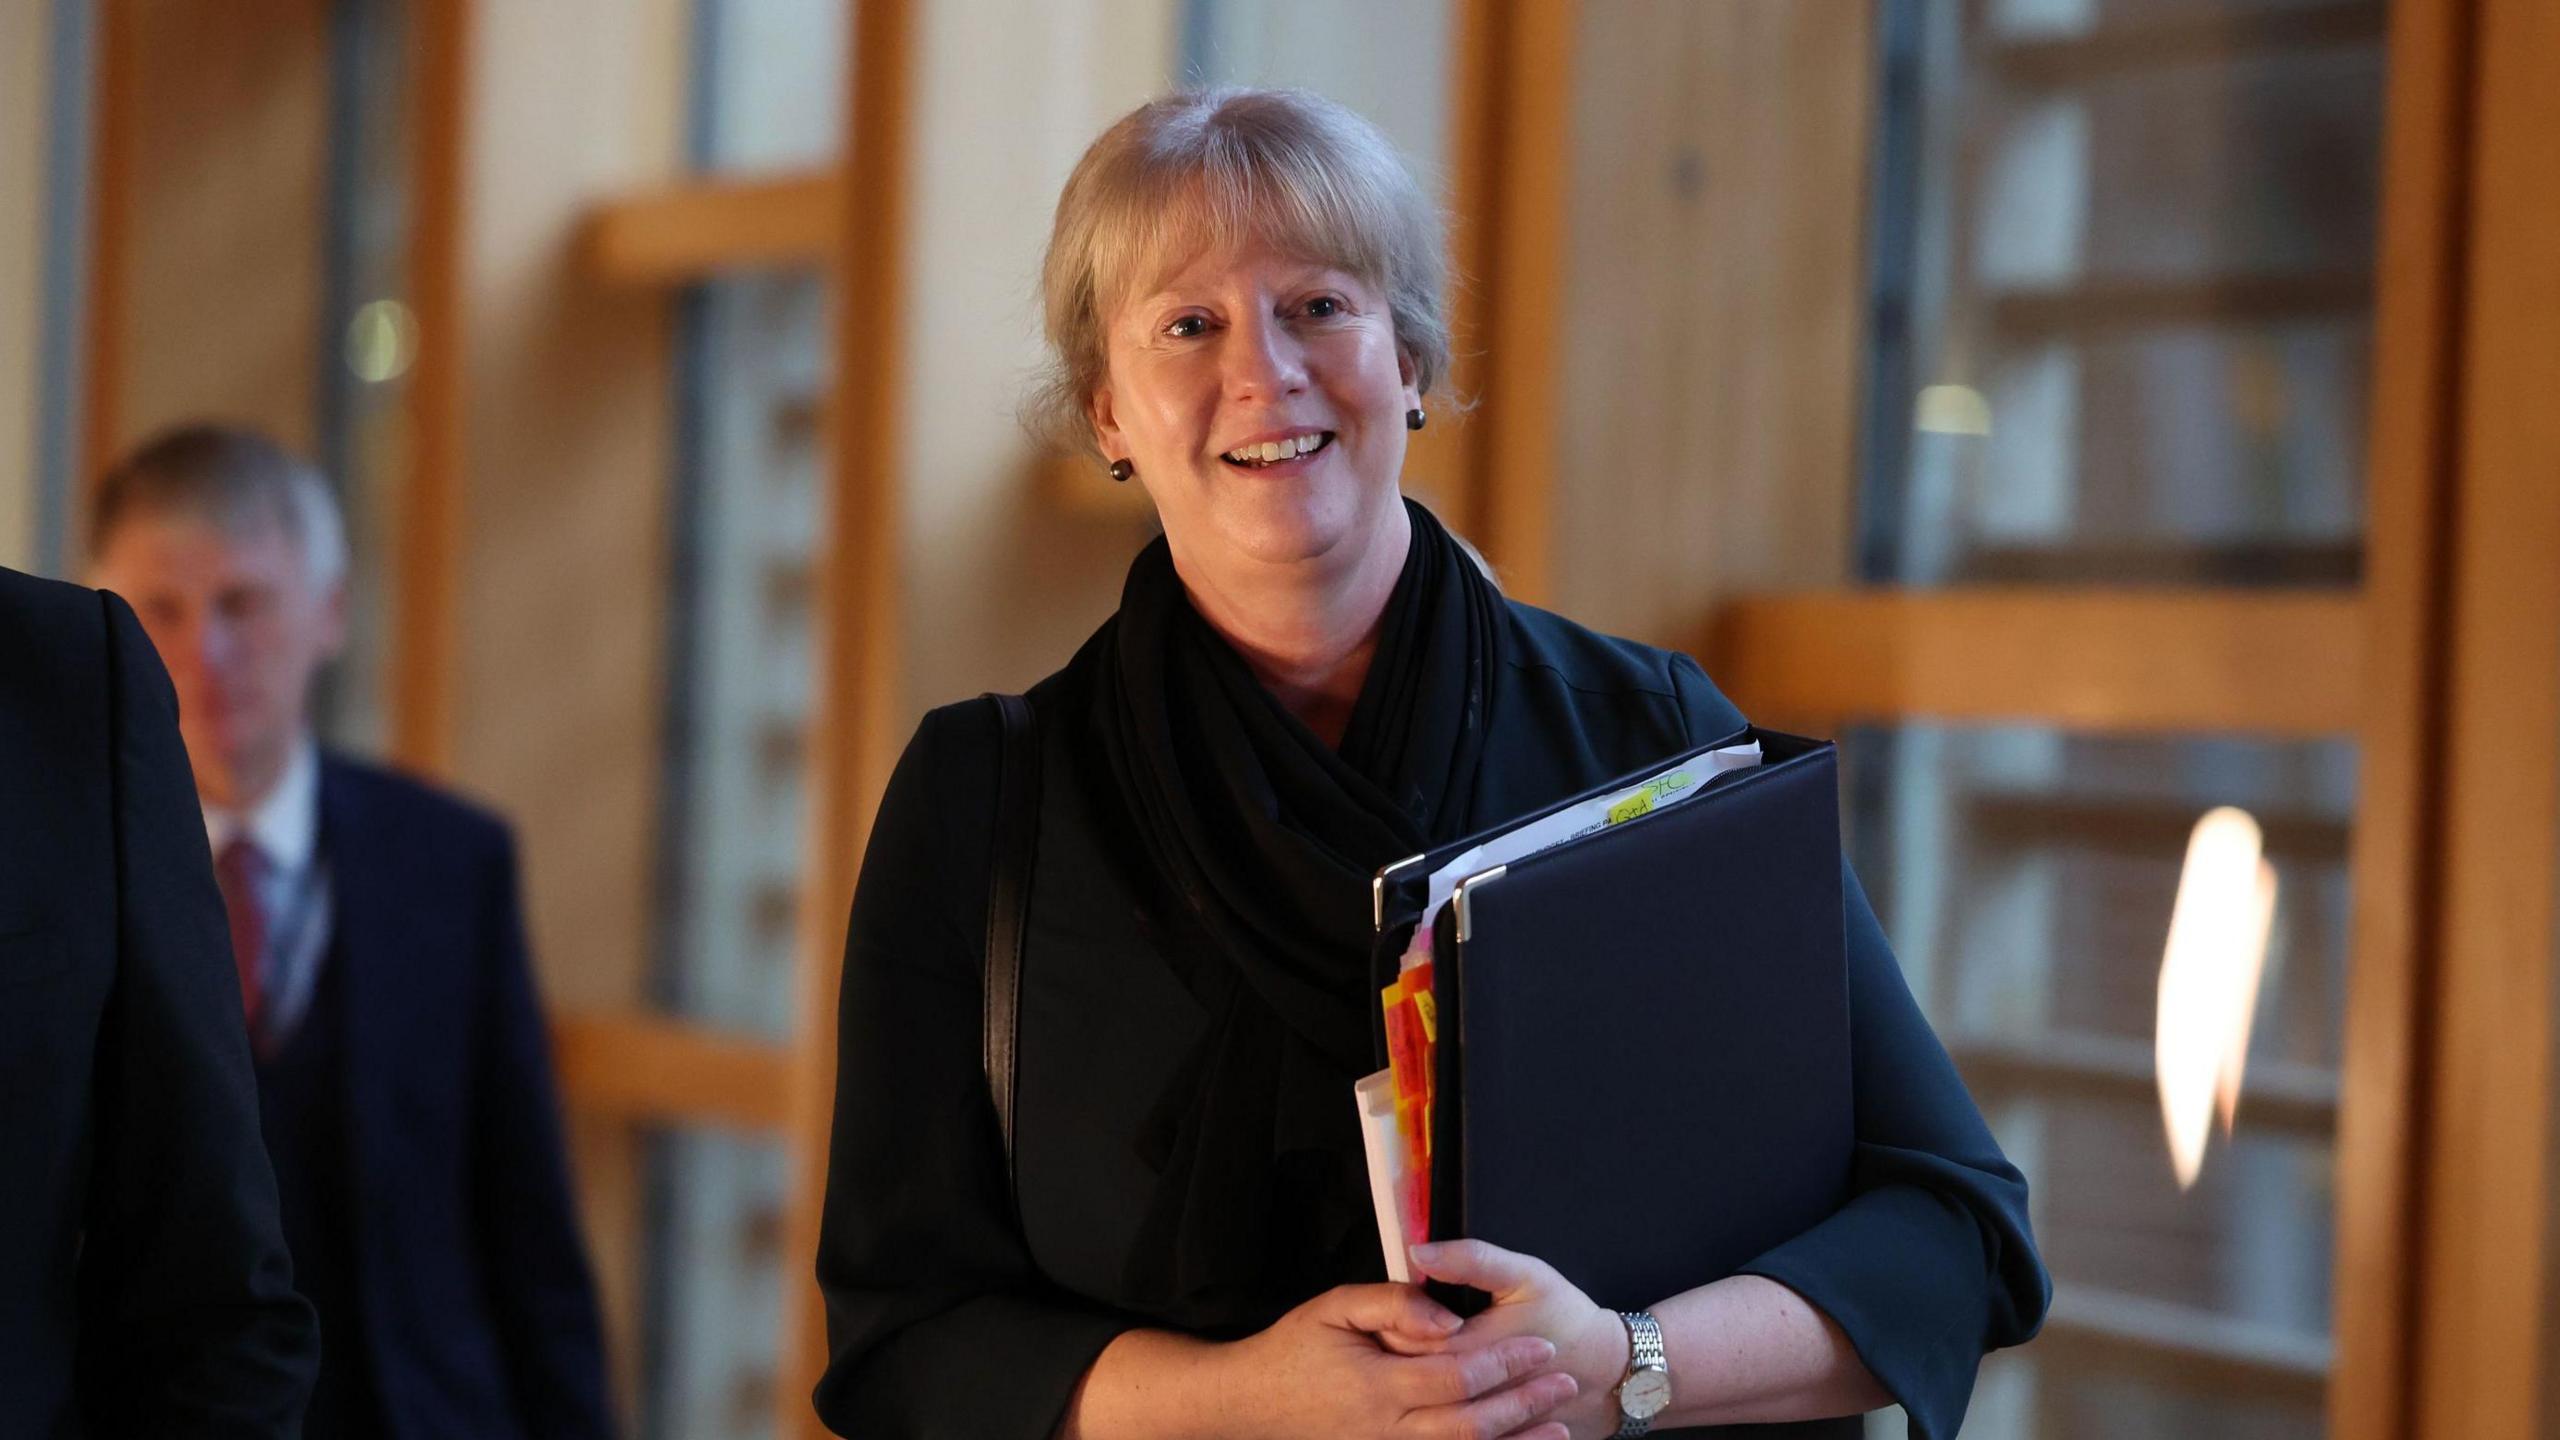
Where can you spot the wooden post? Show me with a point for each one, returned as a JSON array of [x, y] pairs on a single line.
[[426, 588], [860, 585]]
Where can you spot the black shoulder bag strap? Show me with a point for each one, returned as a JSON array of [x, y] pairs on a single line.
[[1009, 906]]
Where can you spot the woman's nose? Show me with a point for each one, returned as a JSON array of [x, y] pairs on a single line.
[[1263, 359]]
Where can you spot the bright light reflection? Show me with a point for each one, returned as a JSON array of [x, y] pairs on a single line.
[[382, 340], [2209, 977]]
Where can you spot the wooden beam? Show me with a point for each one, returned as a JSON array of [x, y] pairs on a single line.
[[643, 1068], [2393, 883], [2122, 661], [2082, 311], [2486, 1318], [112, 121], [861, 704], [1444, 465], [713, 227], [426, 565], [1523, 290]]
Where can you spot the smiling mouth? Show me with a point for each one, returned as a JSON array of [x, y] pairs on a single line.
[[1275, 452]]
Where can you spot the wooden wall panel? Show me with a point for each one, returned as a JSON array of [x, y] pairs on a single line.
[[555, 685], [1711, 314], [26, 93], [218, 258], [2485, 1287], [2416, 324], [558, 682]]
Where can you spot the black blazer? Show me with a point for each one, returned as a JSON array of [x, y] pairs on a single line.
[[479, 1309], [948, 1317], [144, 1288]]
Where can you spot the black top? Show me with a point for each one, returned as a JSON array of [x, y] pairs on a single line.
[[946, 1317], [144, 1287]]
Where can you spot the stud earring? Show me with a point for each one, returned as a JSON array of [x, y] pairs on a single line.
[[1413, 418], [1121, 470]]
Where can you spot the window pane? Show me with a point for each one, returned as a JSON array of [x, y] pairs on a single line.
[[740, 638], [2027, 878], [768, 78], [1387, 59], [714, 1283], [2123, 292]]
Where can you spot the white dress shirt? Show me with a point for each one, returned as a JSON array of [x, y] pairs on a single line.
[[285, 826]]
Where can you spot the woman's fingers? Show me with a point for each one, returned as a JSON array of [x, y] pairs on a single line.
[[1507, 1412], [1410, 1320], [1489, 1268], [1454, 1379]]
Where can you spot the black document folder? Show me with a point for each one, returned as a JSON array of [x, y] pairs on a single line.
[[1643, 1032]]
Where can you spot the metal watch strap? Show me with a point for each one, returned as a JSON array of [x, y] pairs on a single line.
[[1644, 1352]]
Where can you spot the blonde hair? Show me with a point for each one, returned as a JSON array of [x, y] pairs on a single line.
[[1206, 169]]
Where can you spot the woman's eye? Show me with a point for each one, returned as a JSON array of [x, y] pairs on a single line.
[[1186, 327], [1324, 307]]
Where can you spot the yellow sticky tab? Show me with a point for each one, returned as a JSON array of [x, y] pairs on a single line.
[[1429, 1010], [1631, 807]]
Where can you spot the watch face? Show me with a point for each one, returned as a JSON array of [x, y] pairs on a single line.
[[1645, 1393]]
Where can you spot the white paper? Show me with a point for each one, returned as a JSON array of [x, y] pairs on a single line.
[[1376, 1095], [1665, 787]]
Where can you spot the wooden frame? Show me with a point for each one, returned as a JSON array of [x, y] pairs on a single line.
[[715, 227], [110, 226], [1515, 136], [648, 1069], [859, 585], [425, 642], [2484, 1318], [2280, 663], [2416, 321]]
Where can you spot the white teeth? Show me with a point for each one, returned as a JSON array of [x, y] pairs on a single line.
[[1272, 452]]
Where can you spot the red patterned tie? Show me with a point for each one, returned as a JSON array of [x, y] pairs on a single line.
[[241, 870]]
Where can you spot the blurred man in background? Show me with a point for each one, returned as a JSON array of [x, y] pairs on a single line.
[[144, 1287], [403, 1077]]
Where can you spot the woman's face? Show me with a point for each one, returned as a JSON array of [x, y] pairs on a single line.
[[1235, 354]]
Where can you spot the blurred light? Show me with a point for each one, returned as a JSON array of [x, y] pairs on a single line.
[[382, 340], [2209, 979], [1952, 410]]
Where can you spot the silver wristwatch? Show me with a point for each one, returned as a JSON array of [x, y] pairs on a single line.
[[1646, 1391]]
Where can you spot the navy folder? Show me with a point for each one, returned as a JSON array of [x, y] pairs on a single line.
[[1643, 1059]]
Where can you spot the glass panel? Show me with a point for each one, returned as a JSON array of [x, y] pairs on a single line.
[[2124, 287], [1387, 59], [768, 81], [2027, 878], [369, 341], [714, 1283], [740, 639]]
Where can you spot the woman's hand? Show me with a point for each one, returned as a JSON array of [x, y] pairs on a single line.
[[1363, 1361], [1531, 1299]]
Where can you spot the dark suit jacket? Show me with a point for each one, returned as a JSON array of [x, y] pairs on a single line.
[[479, 1310], [144, 1287]]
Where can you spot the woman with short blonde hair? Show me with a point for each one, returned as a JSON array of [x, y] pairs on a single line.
[[1307, 678]]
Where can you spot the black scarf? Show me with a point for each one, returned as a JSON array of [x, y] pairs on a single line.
[[1266, 840]]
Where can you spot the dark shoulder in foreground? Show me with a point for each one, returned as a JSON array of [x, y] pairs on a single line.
[[32, 601], [426, 813], [1582, 659]]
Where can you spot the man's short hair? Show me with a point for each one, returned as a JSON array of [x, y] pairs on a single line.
[[233, 477]]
